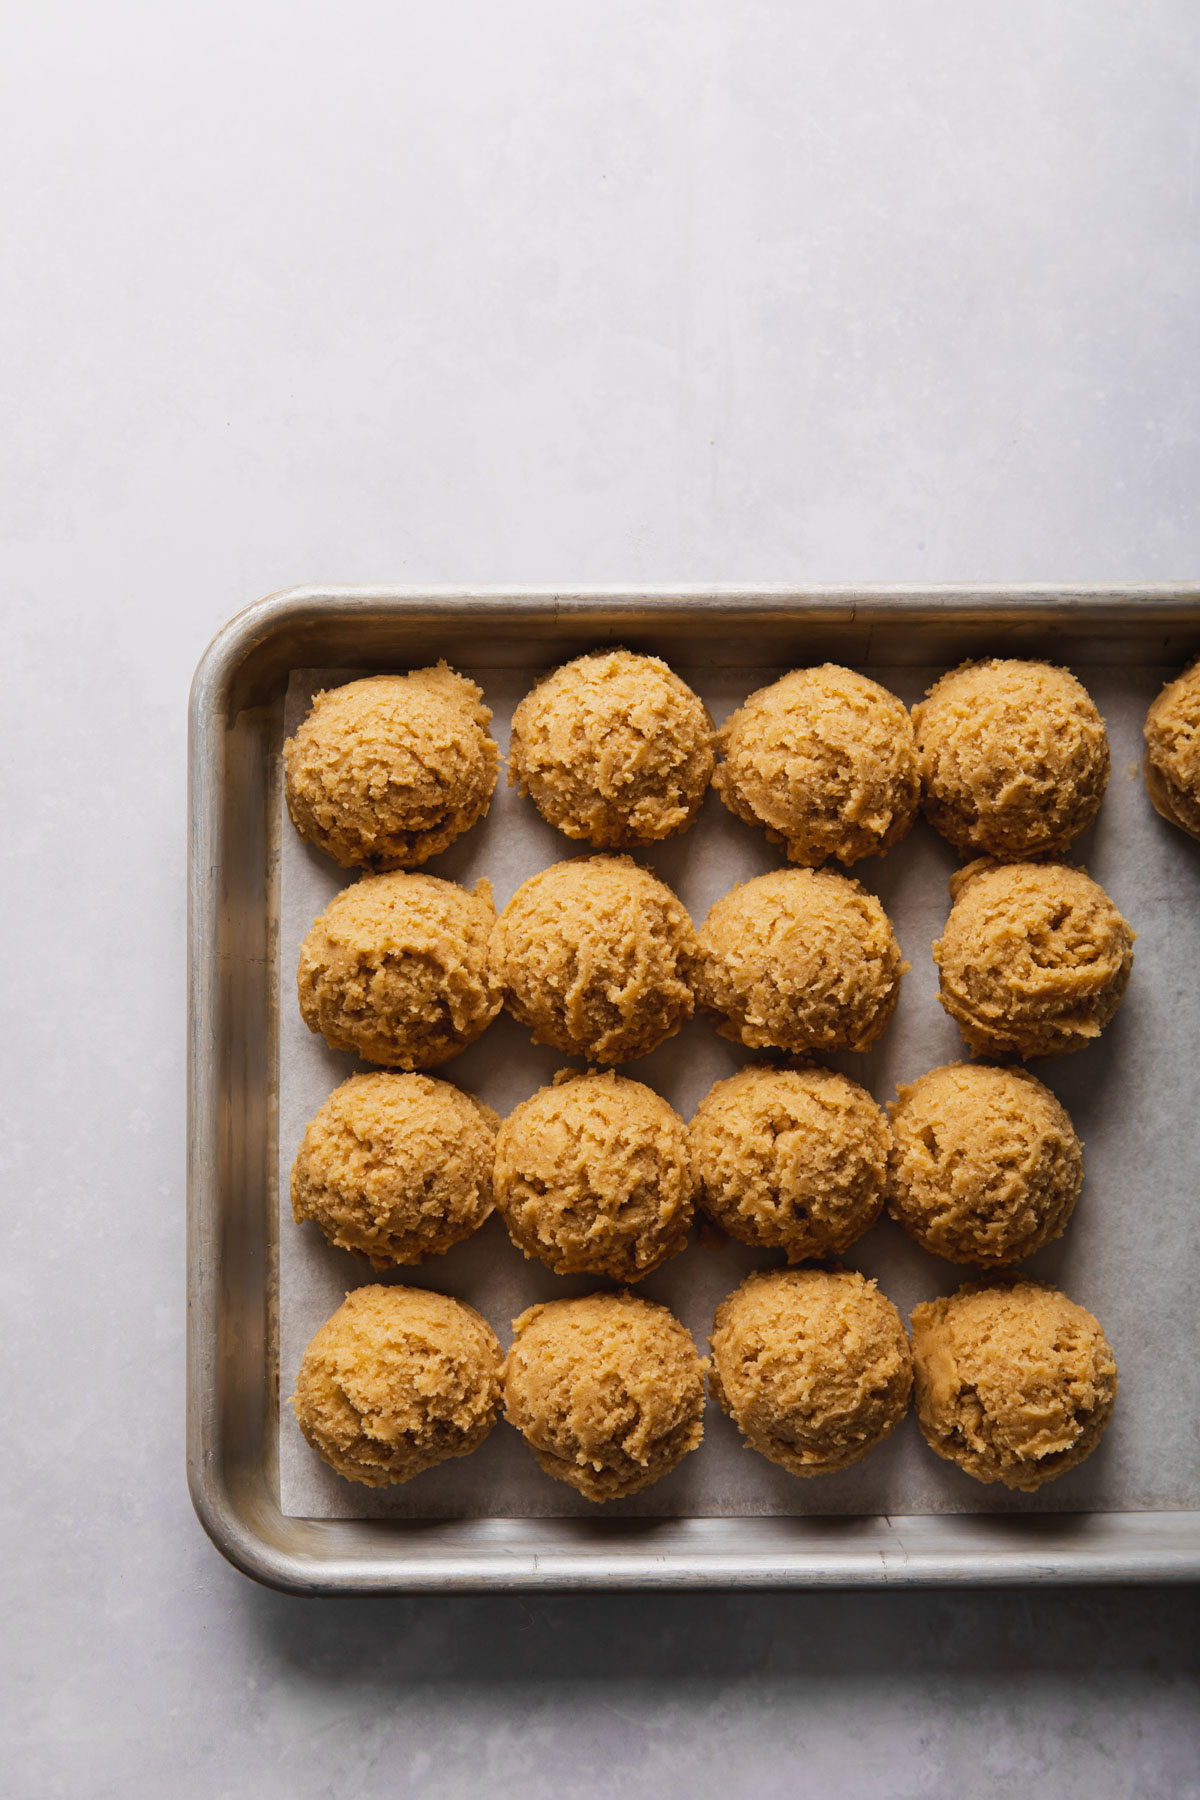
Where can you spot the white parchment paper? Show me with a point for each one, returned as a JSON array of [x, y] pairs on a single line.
[[1129, 1253]]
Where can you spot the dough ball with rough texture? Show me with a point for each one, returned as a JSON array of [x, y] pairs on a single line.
[[1013, 757], [613, 748], [595, 956], [825, 759], [592, 1177], [812, 1366], [396, 1381], [607, 1391], [388, 771], [1034, 958], [1014, 1382], [799, 960], [790, 1159], [396, 1167], [396, 969], [985, 1164], [1172, 765]]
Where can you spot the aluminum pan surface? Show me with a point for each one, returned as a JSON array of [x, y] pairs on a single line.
[[1173, 617]]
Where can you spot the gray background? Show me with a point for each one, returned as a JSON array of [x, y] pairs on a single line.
[[531, 292]]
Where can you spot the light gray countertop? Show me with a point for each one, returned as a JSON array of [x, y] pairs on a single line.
[[690, 292]]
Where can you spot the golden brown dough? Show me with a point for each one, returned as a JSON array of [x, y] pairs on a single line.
[[396, 1167], [594, 956], [396, 969], [387, 771], [1014, 1382], [985, 1164], [799, 960], [397, 1380], [1172, 765], [825, 759], [592, 1176], [812, 1366], [607, 1391], [1013, 757], [790, 1159], [613, 748], [1034, 959]]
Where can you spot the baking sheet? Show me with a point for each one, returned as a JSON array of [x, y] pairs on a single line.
[[1128, 1253]]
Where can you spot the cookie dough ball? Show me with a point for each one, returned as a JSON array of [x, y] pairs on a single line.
[[594, 956], [613, 748], [1172, 765], [825, 759], [1034, 958], [396, 1167], [397, 1380], [607, 1391], [799, 960], [1013, 757], [592, 1177], [790, 1159], [812, 1366], [396, 969], [387, 771], [985, 1164], [1014, 1382]]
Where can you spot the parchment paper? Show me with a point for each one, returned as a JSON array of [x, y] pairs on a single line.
[[1129, 1253]]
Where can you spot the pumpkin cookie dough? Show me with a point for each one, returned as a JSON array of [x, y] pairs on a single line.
[[594, 957], [1034, 958], [396, 969], [1013, 757], [799, 960], [396, 1381], [812, 1366], [985, 1164], [592, 1177], [613, 748], [1014, 1382], [607, 1391], [396, 1168], [790, 1159], [388, 771], [825, 759], [1172, 765]]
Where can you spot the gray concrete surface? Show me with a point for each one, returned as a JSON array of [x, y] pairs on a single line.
[[684, 292]]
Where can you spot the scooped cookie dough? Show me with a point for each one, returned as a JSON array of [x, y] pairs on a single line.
[[985, 1164], [607, 1391], [799, 960], [592, 1177], [1013, 757], [1034, 959], [396, 1167], [1014, 1382], [396, 969], [1172, 764], [396, 1381], [790, 1159], [594, 956], [388, 771], [812, 1366], [825, 759], [613, 748]]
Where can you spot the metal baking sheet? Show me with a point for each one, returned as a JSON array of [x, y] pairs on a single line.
[[494, 1518]]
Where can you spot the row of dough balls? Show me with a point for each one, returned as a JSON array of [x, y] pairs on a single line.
[[1014, 1382], [599, 959], [596, 1174], [1007, 758]]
